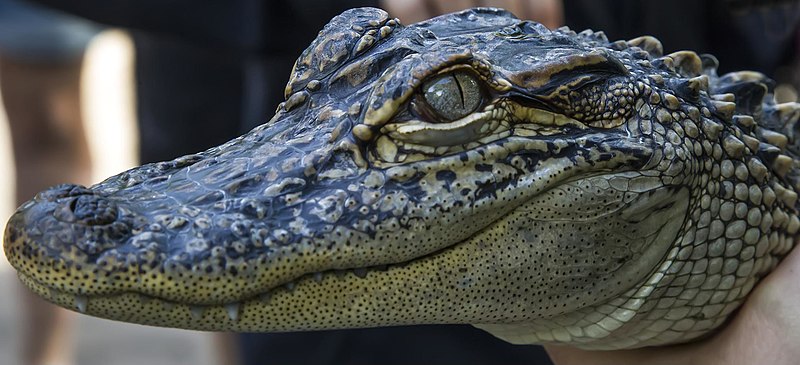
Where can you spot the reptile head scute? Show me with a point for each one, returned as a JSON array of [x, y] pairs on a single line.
[[545, 185]]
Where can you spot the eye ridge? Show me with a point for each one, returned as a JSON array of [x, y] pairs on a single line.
[[439, 99]]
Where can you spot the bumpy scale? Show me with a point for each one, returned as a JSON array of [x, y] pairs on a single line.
[[546, 186]]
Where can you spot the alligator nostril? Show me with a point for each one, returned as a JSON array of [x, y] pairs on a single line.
[[93, 210]]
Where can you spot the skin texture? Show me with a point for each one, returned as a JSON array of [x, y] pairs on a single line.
[[599, 194], [763, 331]]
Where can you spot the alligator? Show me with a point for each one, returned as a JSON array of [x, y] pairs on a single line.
[[546, 186]]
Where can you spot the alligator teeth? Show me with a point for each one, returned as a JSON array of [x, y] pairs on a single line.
[[360, 272], [318, 277], [81, 302], [196, 311], [233, 311]]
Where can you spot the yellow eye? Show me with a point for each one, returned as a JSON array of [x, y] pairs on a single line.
[[453, 96]]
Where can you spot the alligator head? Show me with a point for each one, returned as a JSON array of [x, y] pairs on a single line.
[[546, 186]]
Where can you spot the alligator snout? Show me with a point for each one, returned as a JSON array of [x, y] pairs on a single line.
[[66, 218], [79, 205], [92, 210]]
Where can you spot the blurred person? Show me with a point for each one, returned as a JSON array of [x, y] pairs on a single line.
[[41, 53]]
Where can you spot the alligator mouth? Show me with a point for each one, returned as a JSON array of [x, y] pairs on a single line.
[[80, 303], [137, 307]]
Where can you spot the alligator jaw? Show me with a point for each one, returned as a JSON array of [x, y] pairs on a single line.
[[333, 299]]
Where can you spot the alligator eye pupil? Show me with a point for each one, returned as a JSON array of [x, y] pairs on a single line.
[[453, 96]]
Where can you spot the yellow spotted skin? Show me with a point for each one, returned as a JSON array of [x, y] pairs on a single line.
[[578, 191]]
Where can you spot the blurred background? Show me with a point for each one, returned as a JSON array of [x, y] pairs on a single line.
[[112, 137], [184, 76]]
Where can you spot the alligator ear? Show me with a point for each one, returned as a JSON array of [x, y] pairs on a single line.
[[345, 36]]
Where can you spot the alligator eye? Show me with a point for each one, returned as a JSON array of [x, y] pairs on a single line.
[[453, 96]]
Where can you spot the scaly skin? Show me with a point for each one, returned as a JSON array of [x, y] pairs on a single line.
[[555, 188]]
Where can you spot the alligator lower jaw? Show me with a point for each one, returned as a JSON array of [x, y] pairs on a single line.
[[324, 300], [246, 315]]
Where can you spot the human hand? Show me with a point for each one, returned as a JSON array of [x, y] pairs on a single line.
[[766, 330], [547, 12]]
